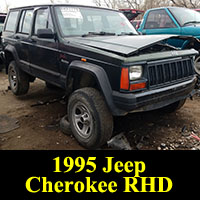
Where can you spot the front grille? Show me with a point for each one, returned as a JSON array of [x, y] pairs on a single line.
[[169, 72]]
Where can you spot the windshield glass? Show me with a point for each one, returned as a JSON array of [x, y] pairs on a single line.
[[77, 21], [185, 16]]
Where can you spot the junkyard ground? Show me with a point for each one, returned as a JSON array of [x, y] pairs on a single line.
[[39, 125]]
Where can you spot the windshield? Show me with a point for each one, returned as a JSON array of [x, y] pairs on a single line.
[[185, 16], [78, 21]]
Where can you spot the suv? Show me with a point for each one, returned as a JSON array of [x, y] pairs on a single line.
[[177, 21], [2, 19], [98, 58]]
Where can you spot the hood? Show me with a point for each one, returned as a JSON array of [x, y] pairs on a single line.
[[125, 45]]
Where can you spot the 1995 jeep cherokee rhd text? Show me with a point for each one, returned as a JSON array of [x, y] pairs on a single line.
[[98, 58]]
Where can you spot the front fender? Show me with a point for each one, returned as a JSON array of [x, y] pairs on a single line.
[[101, 78]]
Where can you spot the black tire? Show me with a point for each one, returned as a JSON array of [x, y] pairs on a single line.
[[197, 65], [19, 80], [173, 107], [65, 126], [87, 106]]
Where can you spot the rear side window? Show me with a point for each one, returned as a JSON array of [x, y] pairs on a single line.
[[12, 21], [25, 21]]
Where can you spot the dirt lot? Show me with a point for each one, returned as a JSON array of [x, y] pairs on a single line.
[[39, 125]]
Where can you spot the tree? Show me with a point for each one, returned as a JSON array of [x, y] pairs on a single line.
[[59, 1], [186, 3], [7, 6], [116, 4]]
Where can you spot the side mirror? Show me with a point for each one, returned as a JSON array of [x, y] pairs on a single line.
[[45, 33]]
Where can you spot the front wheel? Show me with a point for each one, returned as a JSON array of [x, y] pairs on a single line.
[[90, 119], [197, 65]]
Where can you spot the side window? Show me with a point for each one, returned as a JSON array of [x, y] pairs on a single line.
[[12, 21], [25, 21], [159, 19], [21, 21], [42, 20]]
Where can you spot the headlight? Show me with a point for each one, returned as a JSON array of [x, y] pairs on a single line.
[[135, 72]]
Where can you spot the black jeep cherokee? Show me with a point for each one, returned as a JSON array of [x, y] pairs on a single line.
[[2, 19], [98, 58]]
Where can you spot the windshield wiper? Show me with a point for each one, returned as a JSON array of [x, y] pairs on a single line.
[[127, 33], [191, 22], [98, 33]]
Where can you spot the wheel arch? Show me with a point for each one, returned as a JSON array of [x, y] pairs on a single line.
[[10, 55], [98, 74]]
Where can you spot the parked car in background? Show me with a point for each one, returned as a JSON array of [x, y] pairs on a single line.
[[176, 21], [2, 19], [136, 24], [132, 14]]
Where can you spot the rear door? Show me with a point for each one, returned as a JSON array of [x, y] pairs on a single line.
[[22, 38], [44, 52]]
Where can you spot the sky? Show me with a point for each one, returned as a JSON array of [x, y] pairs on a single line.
[[17, 3]]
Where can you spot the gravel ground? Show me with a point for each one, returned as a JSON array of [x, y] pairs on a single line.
[[38, 126]]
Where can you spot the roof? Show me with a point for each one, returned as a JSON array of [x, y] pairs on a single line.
[[50, 4], [167, 7]]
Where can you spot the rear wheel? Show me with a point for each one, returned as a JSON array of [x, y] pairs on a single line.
[[19, 80], [90, 119]]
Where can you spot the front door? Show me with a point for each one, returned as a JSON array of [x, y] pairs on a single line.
[[161, 22], [44, 52]]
